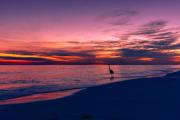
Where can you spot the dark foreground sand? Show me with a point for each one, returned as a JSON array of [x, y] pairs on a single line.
[[140, 99]]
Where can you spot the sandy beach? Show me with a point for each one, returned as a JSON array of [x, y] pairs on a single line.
[[139, 99]]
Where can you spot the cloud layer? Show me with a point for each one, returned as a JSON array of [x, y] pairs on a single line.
[[87, 34]]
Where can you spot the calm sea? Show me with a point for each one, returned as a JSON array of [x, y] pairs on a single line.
[[18, 81]]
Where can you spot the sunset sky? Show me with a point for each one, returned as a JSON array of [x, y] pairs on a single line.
[[89, 31]]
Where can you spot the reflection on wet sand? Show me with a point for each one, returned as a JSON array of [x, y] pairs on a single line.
[[40, 97]]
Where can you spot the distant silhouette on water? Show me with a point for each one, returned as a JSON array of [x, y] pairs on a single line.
[[111, 71]]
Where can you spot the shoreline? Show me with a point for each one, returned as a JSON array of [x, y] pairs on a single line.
[[68, 92], [142, 98], [39, 97]]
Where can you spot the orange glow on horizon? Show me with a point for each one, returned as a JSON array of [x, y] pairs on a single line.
[[146, 59], [51, 58], [176, 59], [16, 61]]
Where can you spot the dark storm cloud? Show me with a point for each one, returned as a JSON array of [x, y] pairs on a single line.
[[92, 46], [152, 28], [163, 45], [143, 53], [87, 56], [118, 17], [54, 53], [23, 58], [68, 53], [156, 35], [152, 40], [117, 13], [20, 52], [156, 24]]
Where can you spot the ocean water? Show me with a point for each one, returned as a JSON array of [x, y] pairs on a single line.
[[18, 81]]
